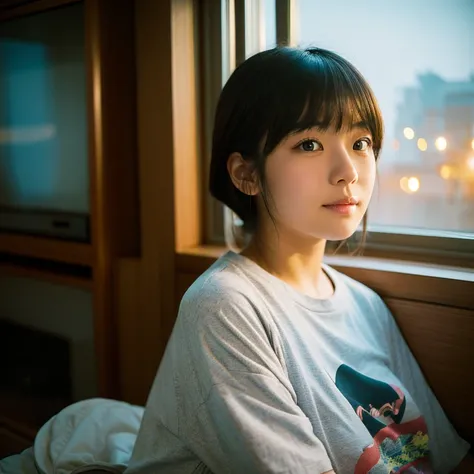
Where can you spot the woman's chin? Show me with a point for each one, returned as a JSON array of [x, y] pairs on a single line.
[[341, 233]]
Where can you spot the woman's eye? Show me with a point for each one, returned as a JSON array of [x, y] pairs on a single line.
[[362, 145], [310, 145]]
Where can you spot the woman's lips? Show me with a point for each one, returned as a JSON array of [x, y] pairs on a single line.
[[346, 206], [343, 209]]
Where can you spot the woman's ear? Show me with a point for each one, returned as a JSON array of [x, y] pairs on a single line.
[[243, 175]]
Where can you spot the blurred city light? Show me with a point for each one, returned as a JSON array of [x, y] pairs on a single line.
[[422, 144], [409, 133], [441, 143], [445, 172], [470, 163], [472, 144], [410, 185], [413, 184]]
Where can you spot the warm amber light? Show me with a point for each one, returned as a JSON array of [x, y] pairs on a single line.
[[445, 172], [470, 163], [410, 185], [472, 144], [409, 133], [413, 184], [404, 184], [422, 145], [441, 143]]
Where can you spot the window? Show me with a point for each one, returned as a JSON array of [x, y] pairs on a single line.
[[419, 60], [418, 57]]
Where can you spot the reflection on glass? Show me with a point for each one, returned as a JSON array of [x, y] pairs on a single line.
[[423, 76]]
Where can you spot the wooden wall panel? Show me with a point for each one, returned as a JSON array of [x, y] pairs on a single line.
[[442, 340], [134, 375], [187, 164], [110, 66], [447, 286], [169, 208]]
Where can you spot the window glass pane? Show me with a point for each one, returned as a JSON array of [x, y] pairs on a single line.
[[228, 39], [270, 24], [43, 125], [260, 26], [419, 59]]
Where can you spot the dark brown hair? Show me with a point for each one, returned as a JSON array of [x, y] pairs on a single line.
[[276, 92]]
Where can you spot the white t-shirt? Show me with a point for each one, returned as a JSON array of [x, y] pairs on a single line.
[[259, 378]]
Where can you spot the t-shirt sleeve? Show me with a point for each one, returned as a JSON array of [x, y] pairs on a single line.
[[447, 448], [248, 420]]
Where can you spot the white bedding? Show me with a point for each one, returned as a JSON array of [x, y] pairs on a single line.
[[86, 436], [23, 463]]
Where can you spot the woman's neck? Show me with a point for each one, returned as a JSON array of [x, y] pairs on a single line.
[[294, 259]]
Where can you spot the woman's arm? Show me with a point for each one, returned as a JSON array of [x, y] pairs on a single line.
[[466, 466], [247, 420]]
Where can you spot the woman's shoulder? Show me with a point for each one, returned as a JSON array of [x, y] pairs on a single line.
[[222, 285], [223, 302]]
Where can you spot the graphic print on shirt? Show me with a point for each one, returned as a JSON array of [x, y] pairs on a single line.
[[400, 444]]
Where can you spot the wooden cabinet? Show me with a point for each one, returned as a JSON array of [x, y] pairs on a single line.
[[111, 160]]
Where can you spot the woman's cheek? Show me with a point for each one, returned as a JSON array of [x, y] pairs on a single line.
[[367, 173], [289, 193], [300, 186]]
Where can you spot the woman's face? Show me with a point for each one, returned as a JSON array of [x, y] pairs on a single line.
[[321, 182]]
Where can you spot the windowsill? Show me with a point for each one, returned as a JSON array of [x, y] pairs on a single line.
[[405, 267], [363, 262], [416, 281]]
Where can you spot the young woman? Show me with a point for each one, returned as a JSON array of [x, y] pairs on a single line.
[[278, 363]]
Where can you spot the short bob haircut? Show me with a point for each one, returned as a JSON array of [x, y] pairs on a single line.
[[276, 92]]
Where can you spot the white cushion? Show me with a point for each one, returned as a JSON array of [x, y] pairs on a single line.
[[23, 463], [88, 435]]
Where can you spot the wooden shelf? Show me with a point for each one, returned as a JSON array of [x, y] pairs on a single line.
[[47, 249], [56, 278], [113, 176]]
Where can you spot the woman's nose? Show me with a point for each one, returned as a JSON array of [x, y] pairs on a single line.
[[344, 170]]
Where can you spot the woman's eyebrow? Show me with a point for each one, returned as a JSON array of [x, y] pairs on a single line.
[[305, 129], [361, 125]]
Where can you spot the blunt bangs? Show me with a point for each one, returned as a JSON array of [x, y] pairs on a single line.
[[322, 90]]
